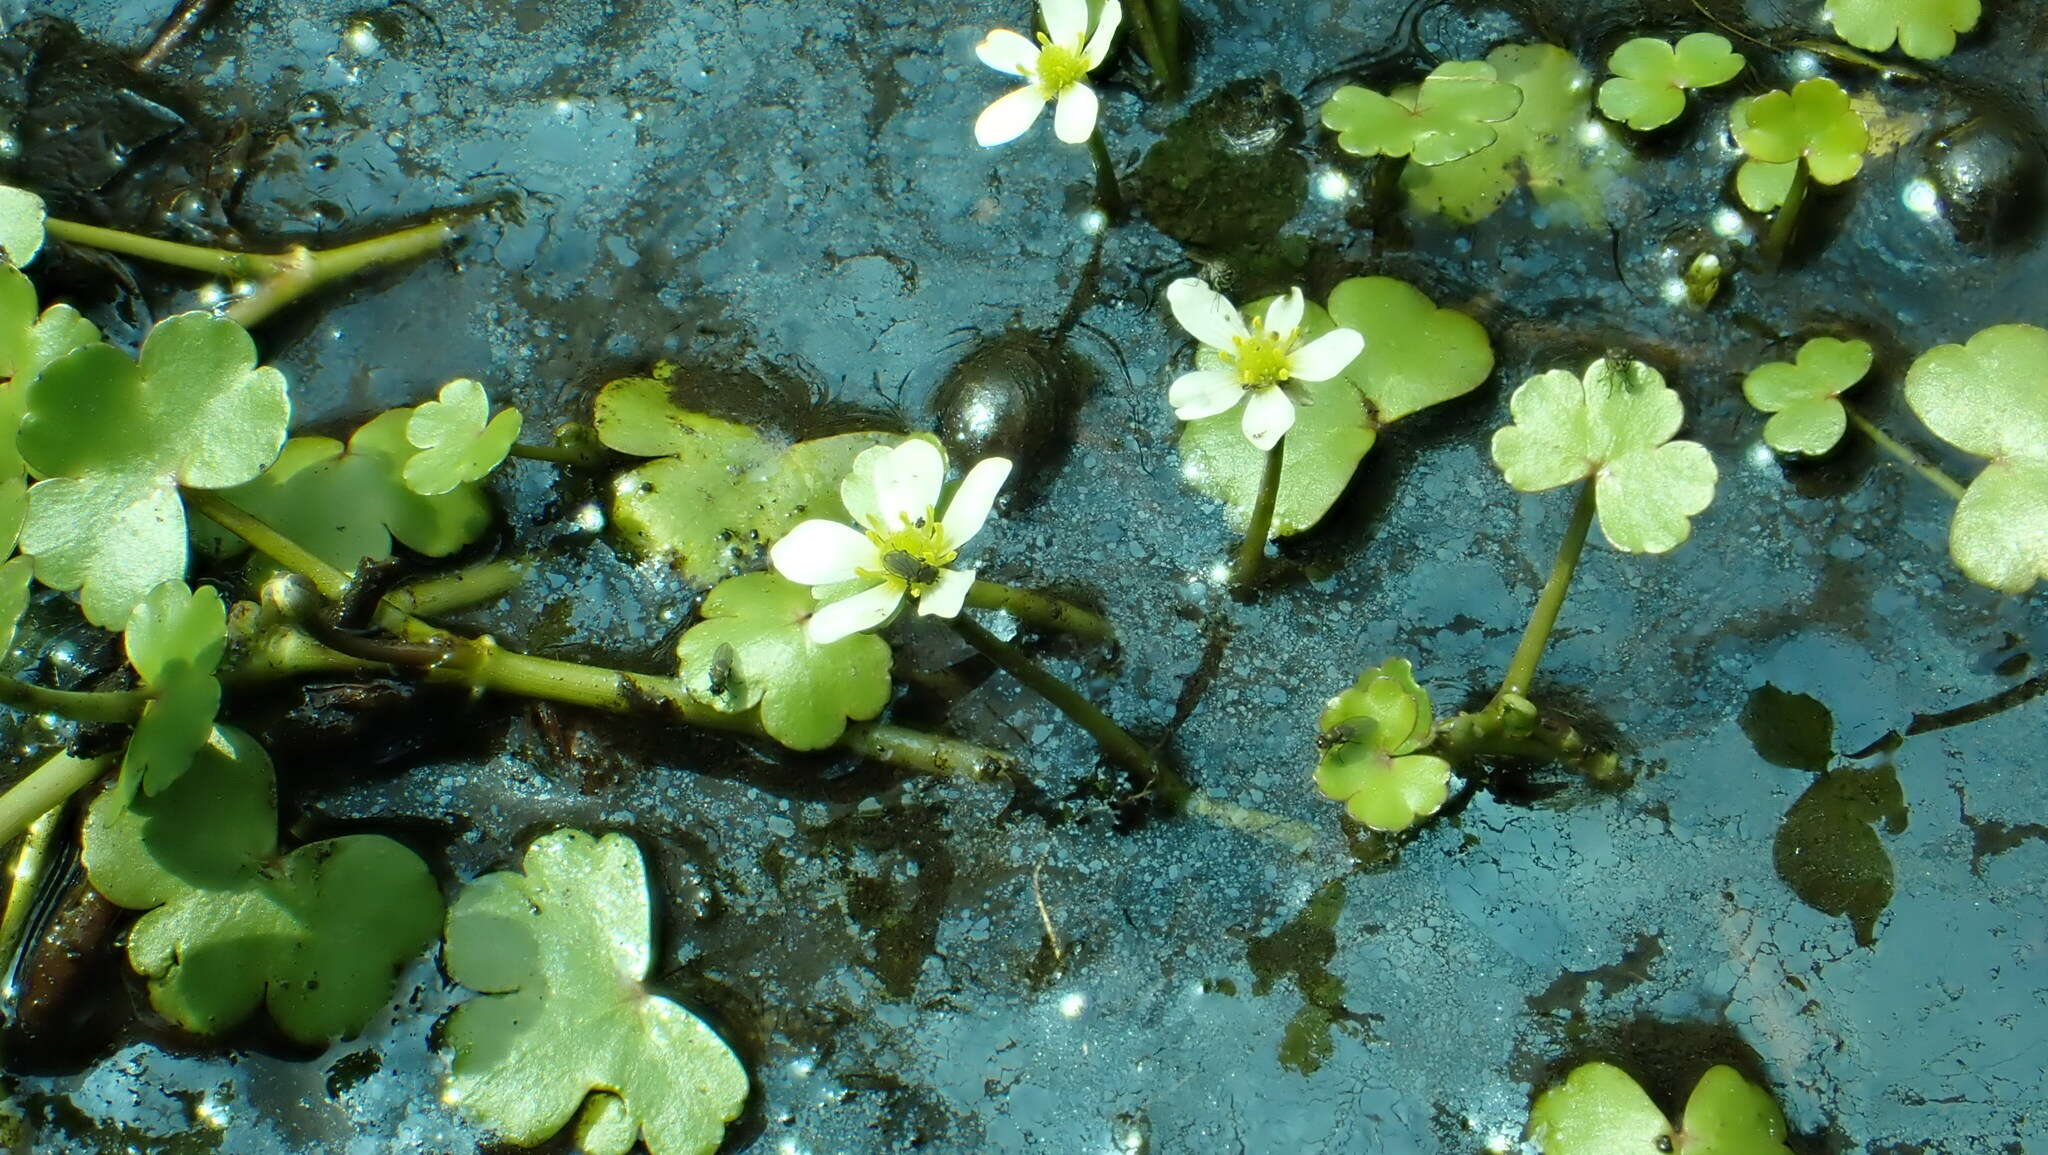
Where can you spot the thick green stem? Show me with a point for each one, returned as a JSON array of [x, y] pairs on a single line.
[[25, 877], [1510, 726], [1522, 670], [1109, 196], [113, 706], [45, 787], [1251, 554], [198, 258], [1122, 749], [446, 593], [1906, 457], [1041, 610], [1153, 43], [1785, 222]]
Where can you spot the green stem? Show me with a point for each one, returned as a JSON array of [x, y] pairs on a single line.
[[46, 787], [1109, 196], [1510, 726], [1168, 19], [113, 706], [1042, 610], [1522, 670], [1251, 554], [1905, 456], [25, 878], [306, 271], [1122, 749], [1785, 222], [473, 586], [198, 258], [1152, 42]]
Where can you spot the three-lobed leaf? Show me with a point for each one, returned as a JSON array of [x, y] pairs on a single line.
[[174, 639], [459, 442], [1803, 395], [1651, 77], [1814, 122], [1371, 733], [561, 951], [1447, 117], [751, 652], [1598, 1109], [1925, 29], [1989, 398]]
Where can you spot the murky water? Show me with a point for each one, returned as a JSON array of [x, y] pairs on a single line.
[[792, 193]]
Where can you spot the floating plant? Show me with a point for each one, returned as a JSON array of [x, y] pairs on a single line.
[[1651, 77], [175, 640], [1370, 737], [1925, 29], [1449, 116], [1794, 139], [459, 442], [1055, 70], [1803, 396], [1599, 1110]]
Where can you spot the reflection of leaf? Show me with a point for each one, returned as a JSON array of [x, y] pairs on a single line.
[[1450, 115], [1416, 355], [1925, 29], [562, 952], [456, 442], [1370, 733], [1802, 395], [1814, 121], [717, 492], [1332, 432], [1599, 1110], [175, 639], [1989, 398], [1613, 424], [1828, 852], [751, 650], [1651, 77], [232, 924], [1790, 730]]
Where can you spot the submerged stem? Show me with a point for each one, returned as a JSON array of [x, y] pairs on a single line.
[[109, 706], [1042, 610], [1251, 554], [1522, 670], [1109, 196], [1785, 222], [46, 787], [1121, 748], [472, 586], [1905, 456], [575, 455], [1154, 43]]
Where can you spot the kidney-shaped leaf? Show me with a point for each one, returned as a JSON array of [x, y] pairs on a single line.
[[1727, 1114], [1802, 395], [1651, 77], [562, 951], [1598, 1110], [1922, 28], [1416, 355]]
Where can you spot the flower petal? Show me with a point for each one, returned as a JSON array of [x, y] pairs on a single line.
[[907, 482], [969, 509], [1268, 415], [1326, 356], [1066, 21], [945, 596], [1097, 50], [848, 616], [1073, 119], [857, 488], [1205, 313], [1006, 51], [820, 552], [1283, 316], [1008, 118], [1203, 393]]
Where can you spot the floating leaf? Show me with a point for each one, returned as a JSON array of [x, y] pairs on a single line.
[[15, 575], [1924, 29], [1814, 121], [1416, 355], [1790, 730], [1613, 425], [1450, 115], [1599, 1110], [116, 439], [1989, 398], [28, 342], [718, 492], [1332, 431], [1764, 187], [1369, 737], [231, 924], [1802, 396], [456, 445], [562, 953], [1827, 849], [751, 651], [21, 225], [175, 639], [1651, 77]]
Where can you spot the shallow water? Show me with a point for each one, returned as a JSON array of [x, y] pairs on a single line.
[[754, 185]]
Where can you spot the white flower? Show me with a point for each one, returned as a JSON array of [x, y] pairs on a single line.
[[1259, 358], [1056, 67], [902, 546]]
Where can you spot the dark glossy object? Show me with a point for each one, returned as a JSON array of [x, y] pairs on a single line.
[[1009, 397], [1989, 177]]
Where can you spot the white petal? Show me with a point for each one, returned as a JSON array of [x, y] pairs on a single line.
[[857, 489], [1326, 356], [820, 552], [1203, 393], [1073, 119], [946, 595], [969, 509], [1066, 21], [848, 616], [1204, 313], [1268, 415], [1105, 31], [1283, 316], [1006, 51], [907, 482], [1006, 119]]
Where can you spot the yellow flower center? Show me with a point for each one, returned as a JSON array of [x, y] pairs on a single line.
[[1059, 67], [913, 553], [1260, 361]]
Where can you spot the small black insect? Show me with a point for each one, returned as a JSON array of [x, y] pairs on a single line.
[[911, 568], [1343, 733], [718, 679]]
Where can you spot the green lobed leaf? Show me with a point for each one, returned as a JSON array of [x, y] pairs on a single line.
[[750, 652], [1598, 1110], [1815, 121], [15, 575], [457, 444], [1651, 77], [1450, 115], [28, 343], [1989, 398], [1332, 431], [175, 639], [21, 225], [230, 924], [1727, 1114], [1827, 849], [1416, 355], [1369, 735], [115, 440], [1924, 29], [1763, 186], [1802, 395], [561, 952]]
